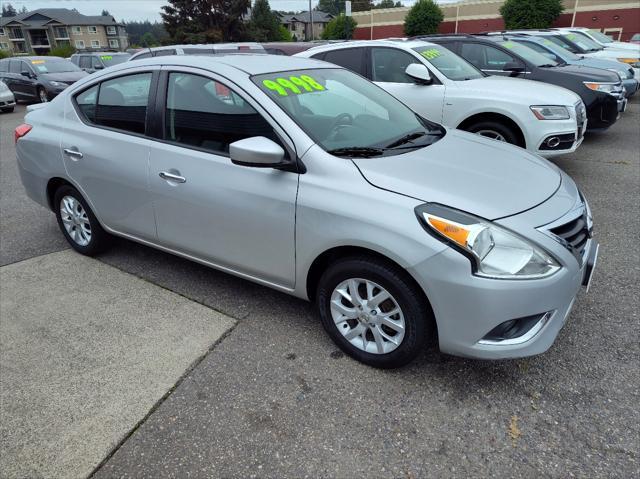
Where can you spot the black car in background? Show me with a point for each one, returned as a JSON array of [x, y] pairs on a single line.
[[91, 62], [38, 78], [600, 90]]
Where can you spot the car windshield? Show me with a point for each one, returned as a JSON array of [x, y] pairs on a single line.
[[449, 64], [563, 53], [565, 44], [601, 37], [528, 54], [583, 42], [110, 60], [346, 114], [53, 66]]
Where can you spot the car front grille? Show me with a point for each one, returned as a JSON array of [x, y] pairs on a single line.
[[574, 234]]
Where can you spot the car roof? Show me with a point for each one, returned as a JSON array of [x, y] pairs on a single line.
[[405, 43], [106, 52], [36, 57], [249, 63]]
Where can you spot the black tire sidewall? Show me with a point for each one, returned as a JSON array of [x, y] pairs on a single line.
[[417, 313], [99, 238], [509, 135]]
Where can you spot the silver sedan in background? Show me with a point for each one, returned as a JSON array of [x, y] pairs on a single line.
[[7, 100], [307, 178]]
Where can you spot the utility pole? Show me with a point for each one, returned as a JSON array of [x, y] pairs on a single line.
[[575, 10], [310, 21]]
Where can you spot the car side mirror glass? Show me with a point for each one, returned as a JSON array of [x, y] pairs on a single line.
[[419, 73], [257, 151]]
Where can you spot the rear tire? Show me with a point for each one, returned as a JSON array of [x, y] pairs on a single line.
[[496, 131], [78, 224], [363, 327]]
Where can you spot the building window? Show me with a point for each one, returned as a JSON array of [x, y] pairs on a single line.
[[92, 29], [79, 43], [76, 30], [16, 33], [2, 32], [4, 46], [95, 43], [61, 43], [60, 32], [111, 30], [114, 43]]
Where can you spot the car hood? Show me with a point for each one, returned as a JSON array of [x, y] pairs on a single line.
[[468, 172], [623, 46], [602, 63], [64, 76], [518, 88], [584, 73]]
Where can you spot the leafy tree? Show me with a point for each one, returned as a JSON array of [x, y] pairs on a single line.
[[149, 40], [340, 28], [284, 35], [388, 4], [264, 25], [105, 13], [334, 7], [519, 14], [4, 54], [198, 21], [63, 51], [423, 18], [8, 10]]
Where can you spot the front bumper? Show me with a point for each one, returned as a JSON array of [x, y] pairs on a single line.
[[560, 137], [631, 86], [467, 308]]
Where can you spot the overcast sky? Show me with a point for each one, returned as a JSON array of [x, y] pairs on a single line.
[[144, 9]]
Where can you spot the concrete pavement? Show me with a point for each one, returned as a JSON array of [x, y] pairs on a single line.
[[86, 351]]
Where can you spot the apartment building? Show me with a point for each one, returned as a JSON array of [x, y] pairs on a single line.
[[41, 30]]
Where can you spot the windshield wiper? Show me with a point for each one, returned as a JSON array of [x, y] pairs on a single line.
[[357, 151], [406, 139]]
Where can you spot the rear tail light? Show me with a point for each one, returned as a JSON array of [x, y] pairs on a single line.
[[21, 131]]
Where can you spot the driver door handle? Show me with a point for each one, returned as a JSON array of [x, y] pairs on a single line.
[[165, 175], [74, 153]]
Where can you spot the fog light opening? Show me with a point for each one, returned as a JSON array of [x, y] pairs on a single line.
[[516, 331]]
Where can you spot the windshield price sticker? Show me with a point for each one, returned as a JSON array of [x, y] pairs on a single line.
[[508, 44], [106, 57], [294, 84], [547, 42], [431, 53], [37, 62]]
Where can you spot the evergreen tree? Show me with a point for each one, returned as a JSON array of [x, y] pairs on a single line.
[[8, 10], [264, 25], [105, 13], [201, 21]]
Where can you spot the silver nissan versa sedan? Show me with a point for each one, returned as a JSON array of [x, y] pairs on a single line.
[[309, 179]]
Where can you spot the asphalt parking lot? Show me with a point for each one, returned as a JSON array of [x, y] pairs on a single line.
[[275, 398]]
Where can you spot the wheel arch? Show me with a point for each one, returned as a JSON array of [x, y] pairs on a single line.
[[52, 186], [497, 117]]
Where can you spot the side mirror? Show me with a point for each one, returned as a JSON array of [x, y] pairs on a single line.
[[98, 67], [27, 74], [257, 151], [419, 73], [513, 67]]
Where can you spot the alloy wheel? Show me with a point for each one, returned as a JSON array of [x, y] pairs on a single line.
[[75, 220], [42, 94], [494, 135], [367, 315]]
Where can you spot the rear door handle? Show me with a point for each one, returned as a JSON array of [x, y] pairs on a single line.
[[74, 153], [165, 175]]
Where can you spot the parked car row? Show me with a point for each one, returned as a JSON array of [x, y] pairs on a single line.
[[304, 176]]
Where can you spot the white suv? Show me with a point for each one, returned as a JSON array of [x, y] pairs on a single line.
[[445, 88]]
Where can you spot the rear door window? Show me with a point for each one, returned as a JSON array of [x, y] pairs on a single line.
[[14, 66], [349, 58], [485, 57], [85, 61], [119, 103]]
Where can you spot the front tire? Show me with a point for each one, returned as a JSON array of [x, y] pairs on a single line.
[[374, 311], [78, 224], [496, 131], [42, 95]]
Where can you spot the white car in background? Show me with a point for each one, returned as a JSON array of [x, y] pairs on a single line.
[[443, 87], [7, 100], [602, 39]]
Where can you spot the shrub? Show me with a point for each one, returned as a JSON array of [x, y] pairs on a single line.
[[63, 51], [519, 14], [423, 18], [340, 28]]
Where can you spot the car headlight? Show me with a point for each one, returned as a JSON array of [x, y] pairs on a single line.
[[550, 112], [603, 87], [631, 61], [495, 252], [58, 84]]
